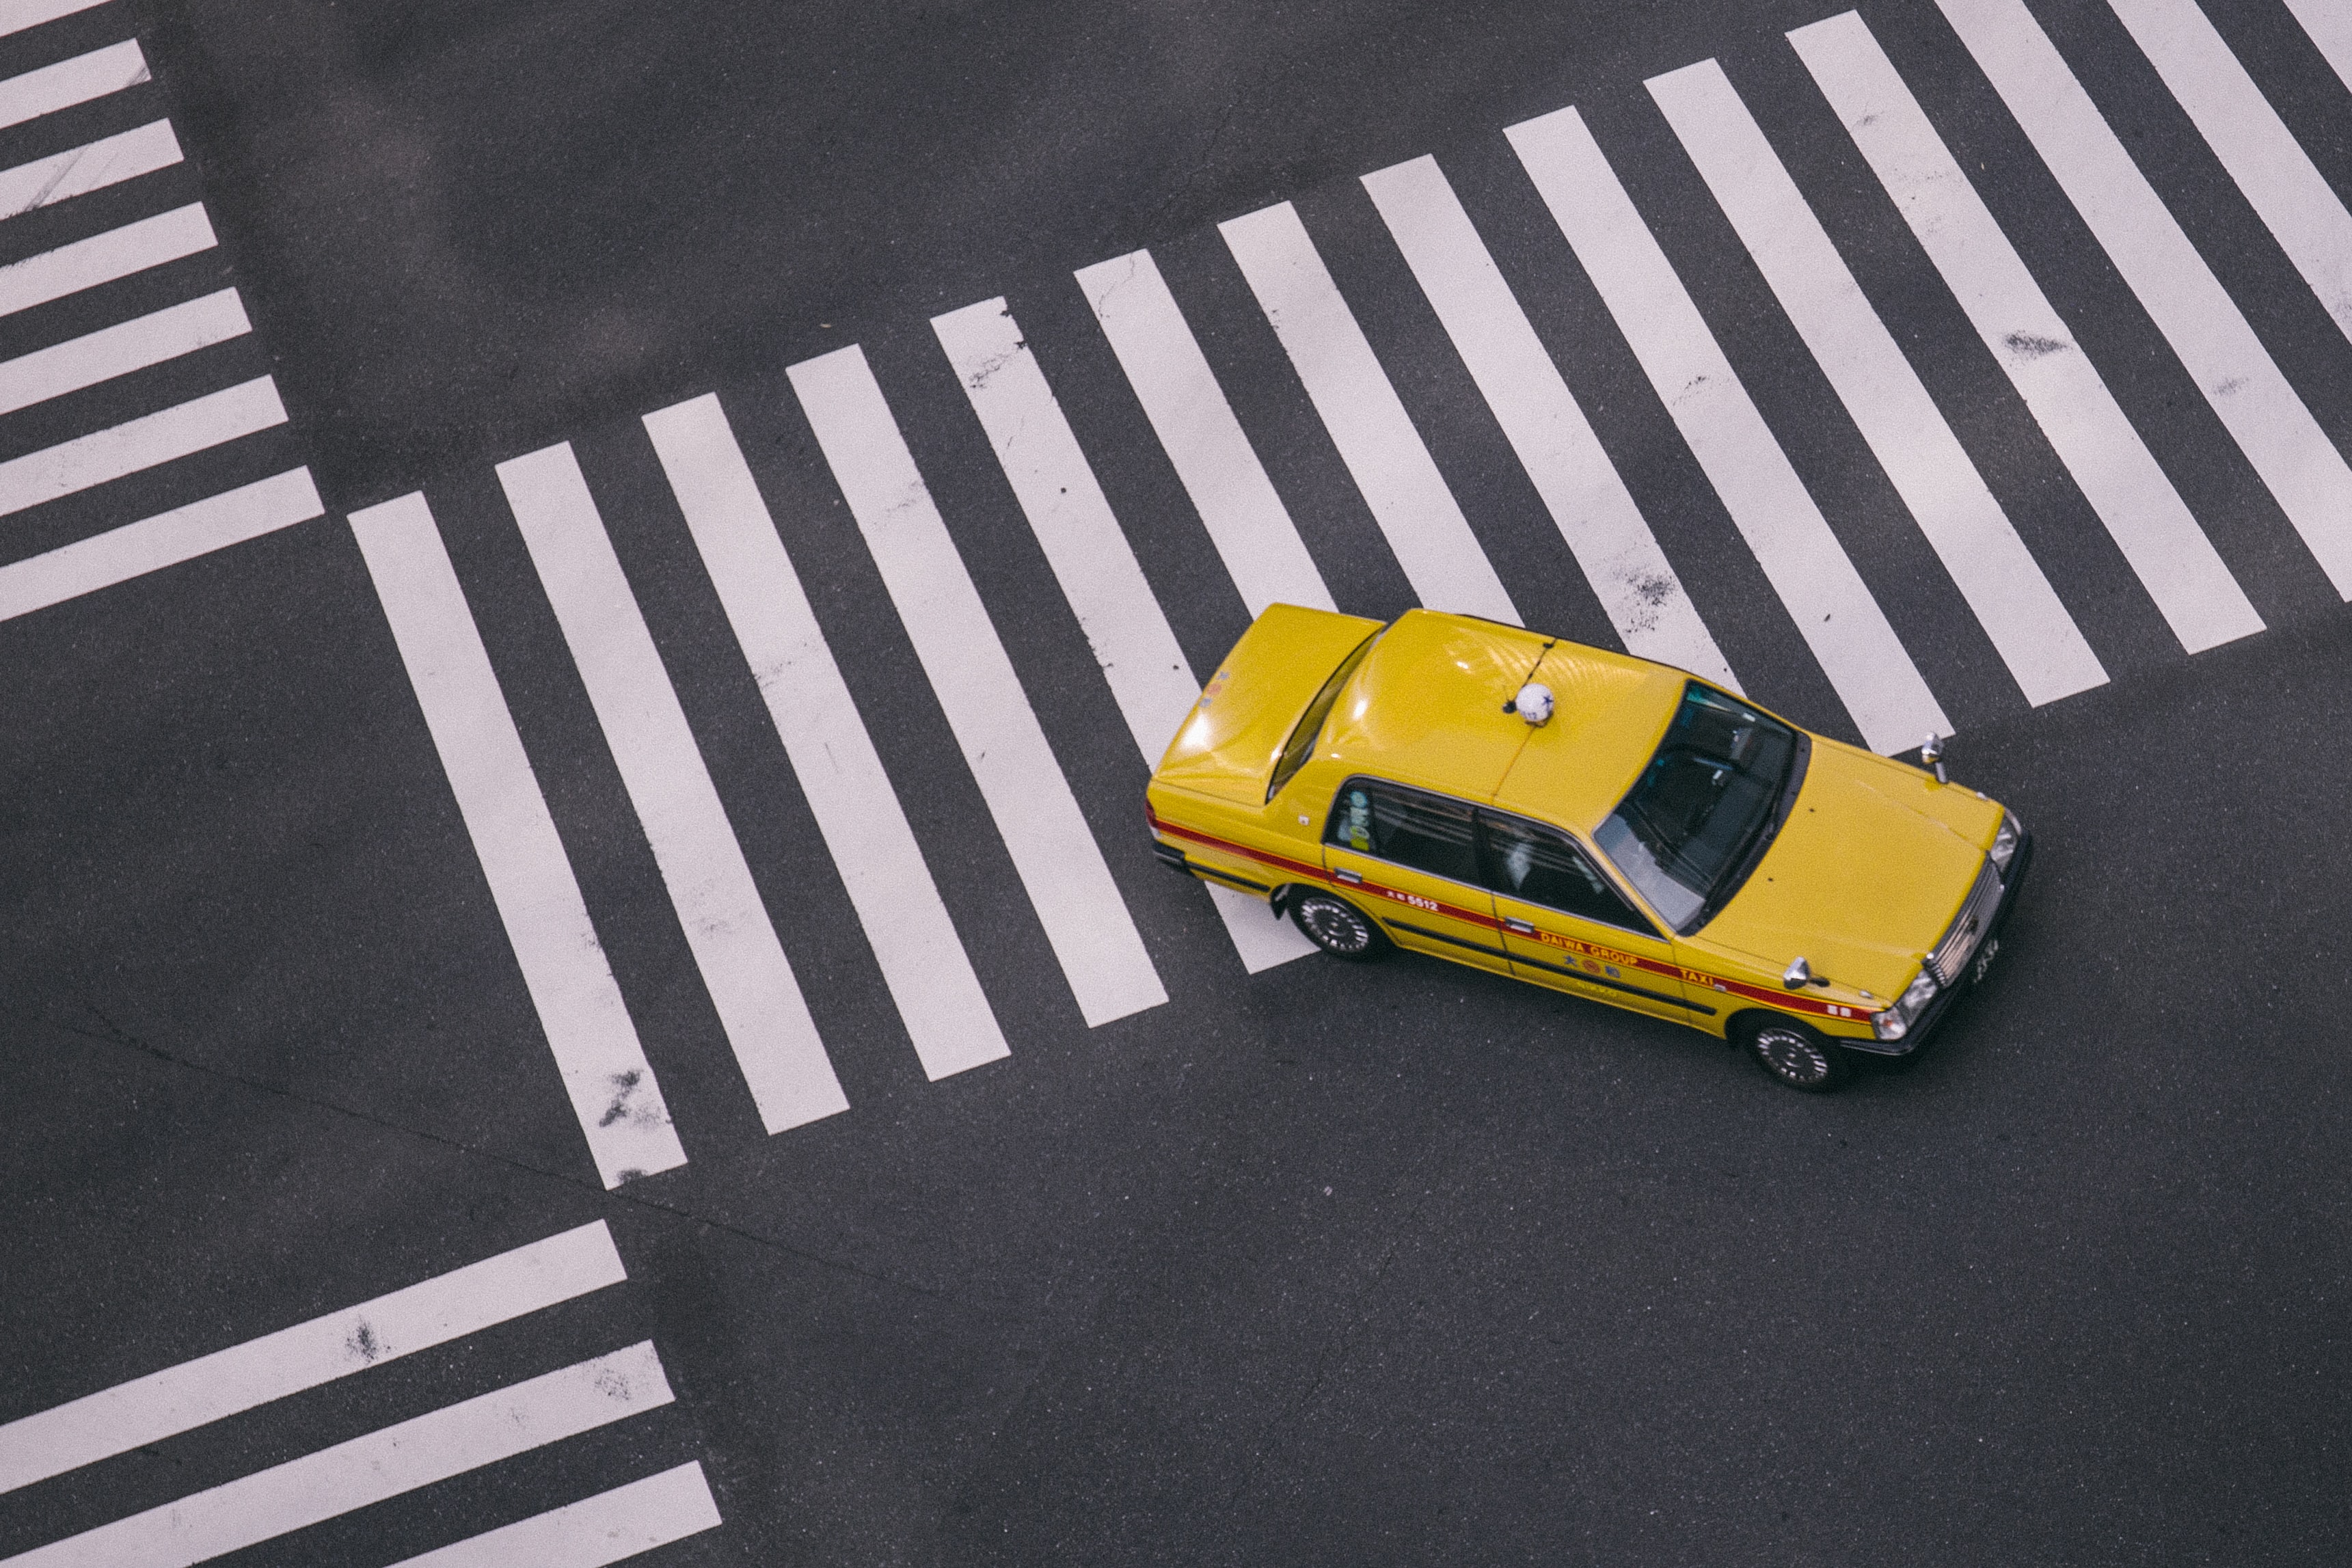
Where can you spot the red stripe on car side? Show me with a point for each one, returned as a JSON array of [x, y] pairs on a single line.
[[1781, 1000]]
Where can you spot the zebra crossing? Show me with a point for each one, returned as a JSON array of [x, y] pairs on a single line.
[[1530, 390], [103, 323], [186, 1401], [122, 355]]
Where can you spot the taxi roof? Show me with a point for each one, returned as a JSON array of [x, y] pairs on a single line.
[[1426, 708]]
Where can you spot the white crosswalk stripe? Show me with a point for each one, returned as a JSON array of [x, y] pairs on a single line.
[[607, 1528], [210, 1387], [15, 15], [155, 543], [2195, 313], [1972, 536], [1061, 868], [1638, 588], [924, 965], [69, 82], [2329, 22], [2293, 199], [103, 258], [742, 963], [1842, 622], [605, 1075], [121, 349], [383, 1464], [108, 161], [1213, 459], [1383, 452], [1090, 558], [249, 1378], [140, 444], [2149, 522]]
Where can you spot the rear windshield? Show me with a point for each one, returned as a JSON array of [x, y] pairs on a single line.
[[1301, 744], [1697, 820]]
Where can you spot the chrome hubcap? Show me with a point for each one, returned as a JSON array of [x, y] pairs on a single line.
[[1335, 925], [1792, 1055]]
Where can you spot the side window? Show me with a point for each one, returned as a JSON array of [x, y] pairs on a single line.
[[1540, 865], [1423, 832]]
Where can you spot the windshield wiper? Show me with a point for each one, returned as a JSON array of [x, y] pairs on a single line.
[[1759, 837]]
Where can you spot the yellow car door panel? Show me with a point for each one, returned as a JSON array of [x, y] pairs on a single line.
[[1566, 925], [1409, 859]]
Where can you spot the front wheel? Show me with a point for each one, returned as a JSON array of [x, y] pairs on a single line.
[[1337, 926], [1796, 1057]]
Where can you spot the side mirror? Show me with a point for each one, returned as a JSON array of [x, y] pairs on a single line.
[[1799, 975], [1931, 751]]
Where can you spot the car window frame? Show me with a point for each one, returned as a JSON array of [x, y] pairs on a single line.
[[1327, 696], [1477, 853], [1597, 863]]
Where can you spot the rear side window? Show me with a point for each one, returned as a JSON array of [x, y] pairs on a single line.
[[1301, 744], [1423, 832], [1540, 865]]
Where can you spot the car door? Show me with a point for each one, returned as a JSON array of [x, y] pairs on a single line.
[[1409, 859], [1565, 924]]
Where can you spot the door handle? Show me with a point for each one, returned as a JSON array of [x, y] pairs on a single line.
[[1351, 877], [1517, 928]]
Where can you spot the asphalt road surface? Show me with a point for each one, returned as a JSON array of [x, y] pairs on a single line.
[[542, 1027]]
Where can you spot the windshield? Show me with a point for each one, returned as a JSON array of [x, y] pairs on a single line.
[[1698, 817]]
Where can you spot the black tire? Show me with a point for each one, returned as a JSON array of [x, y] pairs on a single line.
[[1795, 1057], [1337, 926]]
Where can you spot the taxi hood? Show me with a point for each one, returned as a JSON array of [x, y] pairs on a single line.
[[1865, 875]]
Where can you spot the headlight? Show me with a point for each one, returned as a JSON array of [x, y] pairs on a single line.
[[2005, 843], [1896, 1021]]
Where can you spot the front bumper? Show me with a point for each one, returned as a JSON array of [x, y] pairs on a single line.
[[1950, 995]]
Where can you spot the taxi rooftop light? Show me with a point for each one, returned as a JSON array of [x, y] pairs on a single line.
[[1533, 703]]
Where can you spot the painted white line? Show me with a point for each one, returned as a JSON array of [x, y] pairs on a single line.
[[1213, 459], [2118, 476], [605, 1075], [69, 82], [595, 1530], [383, 1464], [434, 1312], [1060, 866], [2294, 201], [1996, 574], [1068, 511], [1090, 557], [2195, 313], [20, 15], [15, 15], [138, 444], [103, 258], [121, 349], [1637, 586], [1368, 422], [1807, 567], [91, 167], [155, 543], [743, 965], [922, 959], [2330, 26]]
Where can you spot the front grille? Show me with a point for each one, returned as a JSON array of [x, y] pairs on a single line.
[[1950, 958]]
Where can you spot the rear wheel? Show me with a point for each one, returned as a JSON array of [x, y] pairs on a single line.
[[1337, 926], [1794, 1056]]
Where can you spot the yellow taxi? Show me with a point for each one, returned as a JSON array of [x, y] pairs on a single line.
[[1590, 822]]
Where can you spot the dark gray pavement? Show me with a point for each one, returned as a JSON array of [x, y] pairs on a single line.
[[1390, 1265]]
